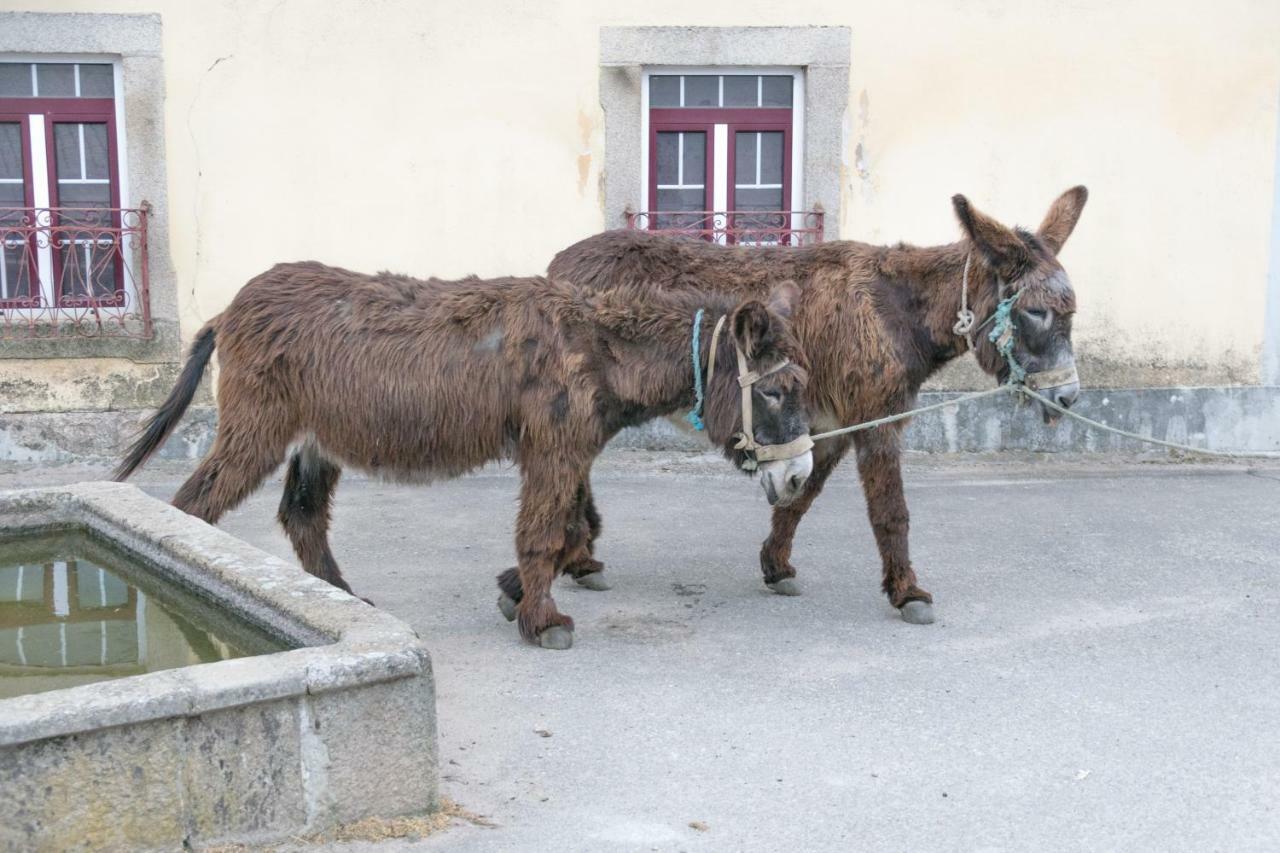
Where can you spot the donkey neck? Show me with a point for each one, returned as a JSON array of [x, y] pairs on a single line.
[[650, 351], [932, 284]]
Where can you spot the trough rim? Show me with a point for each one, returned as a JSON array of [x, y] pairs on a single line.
[[343, 641]]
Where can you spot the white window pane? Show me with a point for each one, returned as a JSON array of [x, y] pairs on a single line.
[[771, 157], [695, 158], [701, 90], [776, 92], [56, 81], [744, 157], [96, 81], [664, 90], [10, 151], [740, 90], [668, 157], [15, 80]]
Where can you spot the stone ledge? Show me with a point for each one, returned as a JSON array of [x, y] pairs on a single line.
[[760, 46]]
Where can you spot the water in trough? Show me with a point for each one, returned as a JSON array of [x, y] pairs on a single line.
[[75, 610]]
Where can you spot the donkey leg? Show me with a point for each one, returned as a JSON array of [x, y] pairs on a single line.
[[305, 512], [580, 561], [775, 554], [244, 453], [574, 560], [547, 507], [880, 465]]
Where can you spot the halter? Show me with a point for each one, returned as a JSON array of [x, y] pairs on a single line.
[[754, 451], [1003, 334]]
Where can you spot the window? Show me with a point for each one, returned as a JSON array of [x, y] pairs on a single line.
[[61, 214], [722, 154]]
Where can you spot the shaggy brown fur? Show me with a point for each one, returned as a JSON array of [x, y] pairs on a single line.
[[875, 322], [417, 380]]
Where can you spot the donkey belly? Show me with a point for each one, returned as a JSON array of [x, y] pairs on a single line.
[[407, 432]]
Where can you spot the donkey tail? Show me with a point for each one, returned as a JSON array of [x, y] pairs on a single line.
[[162, 423]]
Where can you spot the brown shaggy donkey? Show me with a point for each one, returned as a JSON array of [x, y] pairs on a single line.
[[875, 322], [418, 380]]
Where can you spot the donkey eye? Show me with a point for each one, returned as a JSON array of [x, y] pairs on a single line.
[[1040, 317], [772, 396]]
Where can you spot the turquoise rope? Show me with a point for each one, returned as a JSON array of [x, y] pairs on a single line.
[[1004, 321], [695, 417]]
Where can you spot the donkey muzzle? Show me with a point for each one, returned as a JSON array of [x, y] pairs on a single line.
[[784, 479], [1059, 384]]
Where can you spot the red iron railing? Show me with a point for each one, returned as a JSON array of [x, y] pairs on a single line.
[[74, 272], [735, 227]]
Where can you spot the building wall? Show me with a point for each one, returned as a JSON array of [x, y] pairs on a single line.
[[437, 138]]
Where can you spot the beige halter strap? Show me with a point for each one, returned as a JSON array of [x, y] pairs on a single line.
[[756, 452]]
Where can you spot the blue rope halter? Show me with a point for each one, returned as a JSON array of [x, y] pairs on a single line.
[[695, 416], [1003, 333]]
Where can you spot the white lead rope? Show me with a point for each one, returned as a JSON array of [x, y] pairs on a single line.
[[1063, 410]]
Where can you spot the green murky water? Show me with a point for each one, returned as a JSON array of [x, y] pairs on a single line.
[[75, 610]]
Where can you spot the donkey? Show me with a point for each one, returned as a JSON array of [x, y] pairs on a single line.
[[875, 321], [420, 380]]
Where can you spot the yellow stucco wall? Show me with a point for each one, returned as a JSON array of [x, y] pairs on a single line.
[[451, 138]]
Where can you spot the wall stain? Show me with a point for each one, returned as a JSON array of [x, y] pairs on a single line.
[[585, 126]]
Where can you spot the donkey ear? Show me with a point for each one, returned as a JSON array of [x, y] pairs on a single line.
[[1001, 247], [1061, 219], [753, 328], [783, 298]]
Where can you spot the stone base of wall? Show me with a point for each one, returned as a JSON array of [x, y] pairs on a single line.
[[1245, 418]]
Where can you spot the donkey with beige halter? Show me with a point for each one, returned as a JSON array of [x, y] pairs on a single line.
[[418, 380]]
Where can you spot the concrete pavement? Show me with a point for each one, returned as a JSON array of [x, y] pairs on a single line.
[[1104, 672]]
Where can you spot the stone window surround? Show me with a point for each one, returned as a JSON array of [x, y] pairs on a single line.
[[136, 41], [823, 53]]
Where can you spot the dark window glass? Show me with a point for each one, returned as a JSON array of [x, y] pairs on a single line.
[[664, 90], [741, 90], [682, 199], [668, 157], [96, 81], [695, 158], [754, 199], [15, 80], [56, 81], [771, 155], [10, 151], [776, 92], [701, 90], [744, 157]]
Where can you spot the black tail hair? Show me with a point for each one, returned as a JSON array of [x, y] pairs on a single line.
[[170, 412]]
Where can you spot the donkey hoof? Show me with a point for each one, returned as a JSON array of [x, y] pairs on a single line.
[[917, 612], [507, 606], [596, 581], [785, 586], [556, 637]]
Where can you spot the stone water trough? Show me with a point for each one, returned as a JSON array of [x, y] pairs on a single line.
[[316, 709]]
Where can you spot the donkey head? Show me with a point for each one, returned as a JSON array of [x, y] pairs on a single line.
[[1009, 261], [760, 331]]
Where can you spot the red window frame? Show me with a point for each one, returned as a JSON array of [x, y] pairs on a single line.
[[23, 120], [680, 121], [704, 119], [66, 111]]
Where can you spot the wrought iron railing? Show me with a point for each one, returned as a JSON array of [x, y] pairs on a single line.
[[74, 272], [735, 227]]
